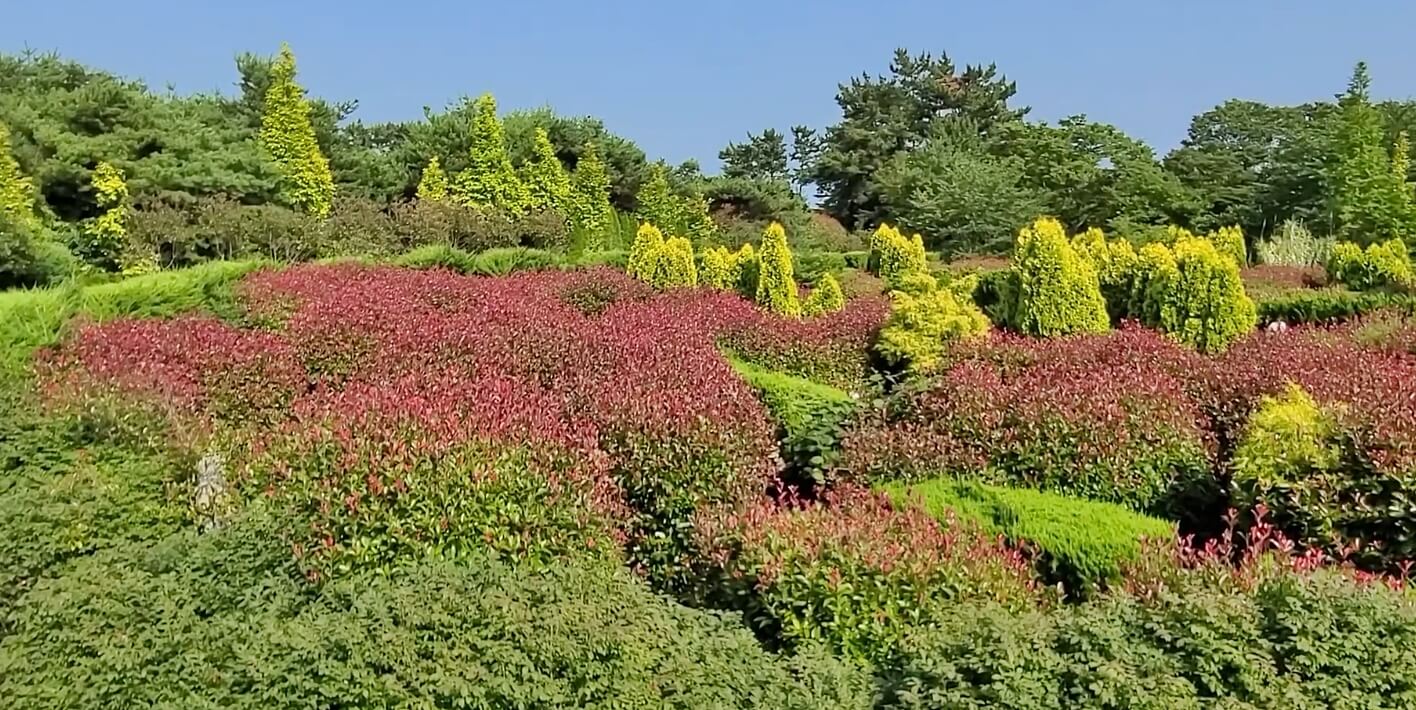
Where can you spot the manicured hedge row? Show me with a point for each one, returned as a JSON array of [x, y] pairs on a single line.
[[1328, 305], [1083, 543], [810, 415]]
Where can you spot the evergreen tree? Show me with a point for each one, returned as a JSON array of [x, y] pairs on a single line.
[[1404, 200], [432, 187], [107, 232], [658, 204], [590, 210], [698, 225], [289, 137], [776, 287], [546, 181], [1367, 197], [16, 190], [490, 180], [644, 253]]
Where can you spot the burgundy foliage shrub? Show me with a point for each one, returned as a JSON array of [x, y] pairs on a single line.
[[832, 349]]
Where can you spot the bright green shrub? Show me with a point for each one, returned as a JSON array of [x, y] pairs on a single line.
[[1054, 291], [16, 190], [716, 269], [105, 236], [745, 270], [825, 297], [644, 254], [1380, 265], [1294, 245], [432, 186], [288, 136], [503, 261], [1115, 264], [490, 180], [896, 256], [219, 620], [1155, 267], [1083, 543], [590, 211], [921, 327], [1229, 241], [1202, 302], [658, 205], [438, 256], [810, 415], [776, 289], [674, 267], [547, 184]]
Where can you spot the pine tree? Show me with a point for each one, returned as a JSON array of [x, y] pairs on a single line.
[[490, 180], [432, 187], [546, 180], [1365, 194], [591, 213], [286, 133], [16, 190], [657, 203]]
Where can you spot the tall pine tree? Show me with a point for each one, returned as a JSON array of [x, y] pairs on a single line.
[[489, 180], [547, 183], [1366, 195], [432, 187], [590, 210], [286, 133]]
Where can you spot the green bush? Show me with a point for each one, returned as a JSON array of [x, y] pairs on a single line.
[[810, 416], [776, 288], [1201, 302], [644, 255], [503, 261], [1294, 245], [674, 267], [893, 256], [1053, 291], [220, 620], [1320, 641], [1387, 264], [825, 297], [1330, 305], [715, 268], [30, 256], [810, 267], [920, 328], [1083, 543], [1115, 264], [434, 256], [1229, 241]]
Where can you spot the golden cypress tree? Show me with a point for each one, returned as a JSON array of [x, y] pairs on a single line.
[[674, 267], [286, 133], [547, 183], [432, 187], [591, 213], [776, 289], [107, 232], [657, 203], [490, 180], [16, 190], [644, 253], [825, 297]]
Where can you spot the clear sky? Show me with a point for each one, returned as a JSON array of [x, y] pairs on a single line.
[[683, 79]]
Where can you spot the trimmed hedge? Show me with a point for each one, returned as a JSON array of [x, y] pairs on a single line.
[[1330, 305], [221, 621], [1053, 290], [810, 414], [1083, 543]]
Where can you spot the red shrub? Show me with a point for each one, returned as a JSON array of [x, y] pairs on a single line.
[[832, 349], [855, 572], [1107, 417]]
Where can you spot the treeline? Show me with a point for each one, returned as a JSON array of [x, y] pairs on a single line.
[[935, 149]]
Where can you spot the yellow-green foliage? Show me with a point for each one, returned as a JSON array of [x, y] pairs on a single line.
[[1202, 302], [896, 256], [915, 283], [1155, 267], [825, 297], [776, 289], [674, 267], [717, 271], [287, 135], [1054, 291], [644, 253], [1229, 241], [1114, 261], [547, 183], [697, 223], [657, 202], [1288, 449], [921, 326], [16, 190], [105, 235], [590, 210], [432, 187], [1385, 264], [745, 267], [489, 180]]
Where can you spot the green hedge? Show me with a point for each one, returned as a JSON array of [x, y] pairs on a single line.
[[1083, 543], [810, 415], [221, 621], [502, 261], [1327, 305]]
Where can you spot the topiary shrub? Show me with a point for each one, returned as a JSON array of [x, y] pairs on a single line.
[[1083, 544], [1054, 291], [746, 267], [1155, 268], [810, 416], [1386, 264], [921, 327], [715, 269], [644, 253], [894, 256], [855, 572], [825, 297], [435, 256], [1229, 241], [674, 267], [1115, 263], [1201, 302], [776, 290]]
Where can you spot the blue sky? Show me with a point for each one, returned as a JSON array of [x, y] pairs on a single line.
[[683, 79]]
